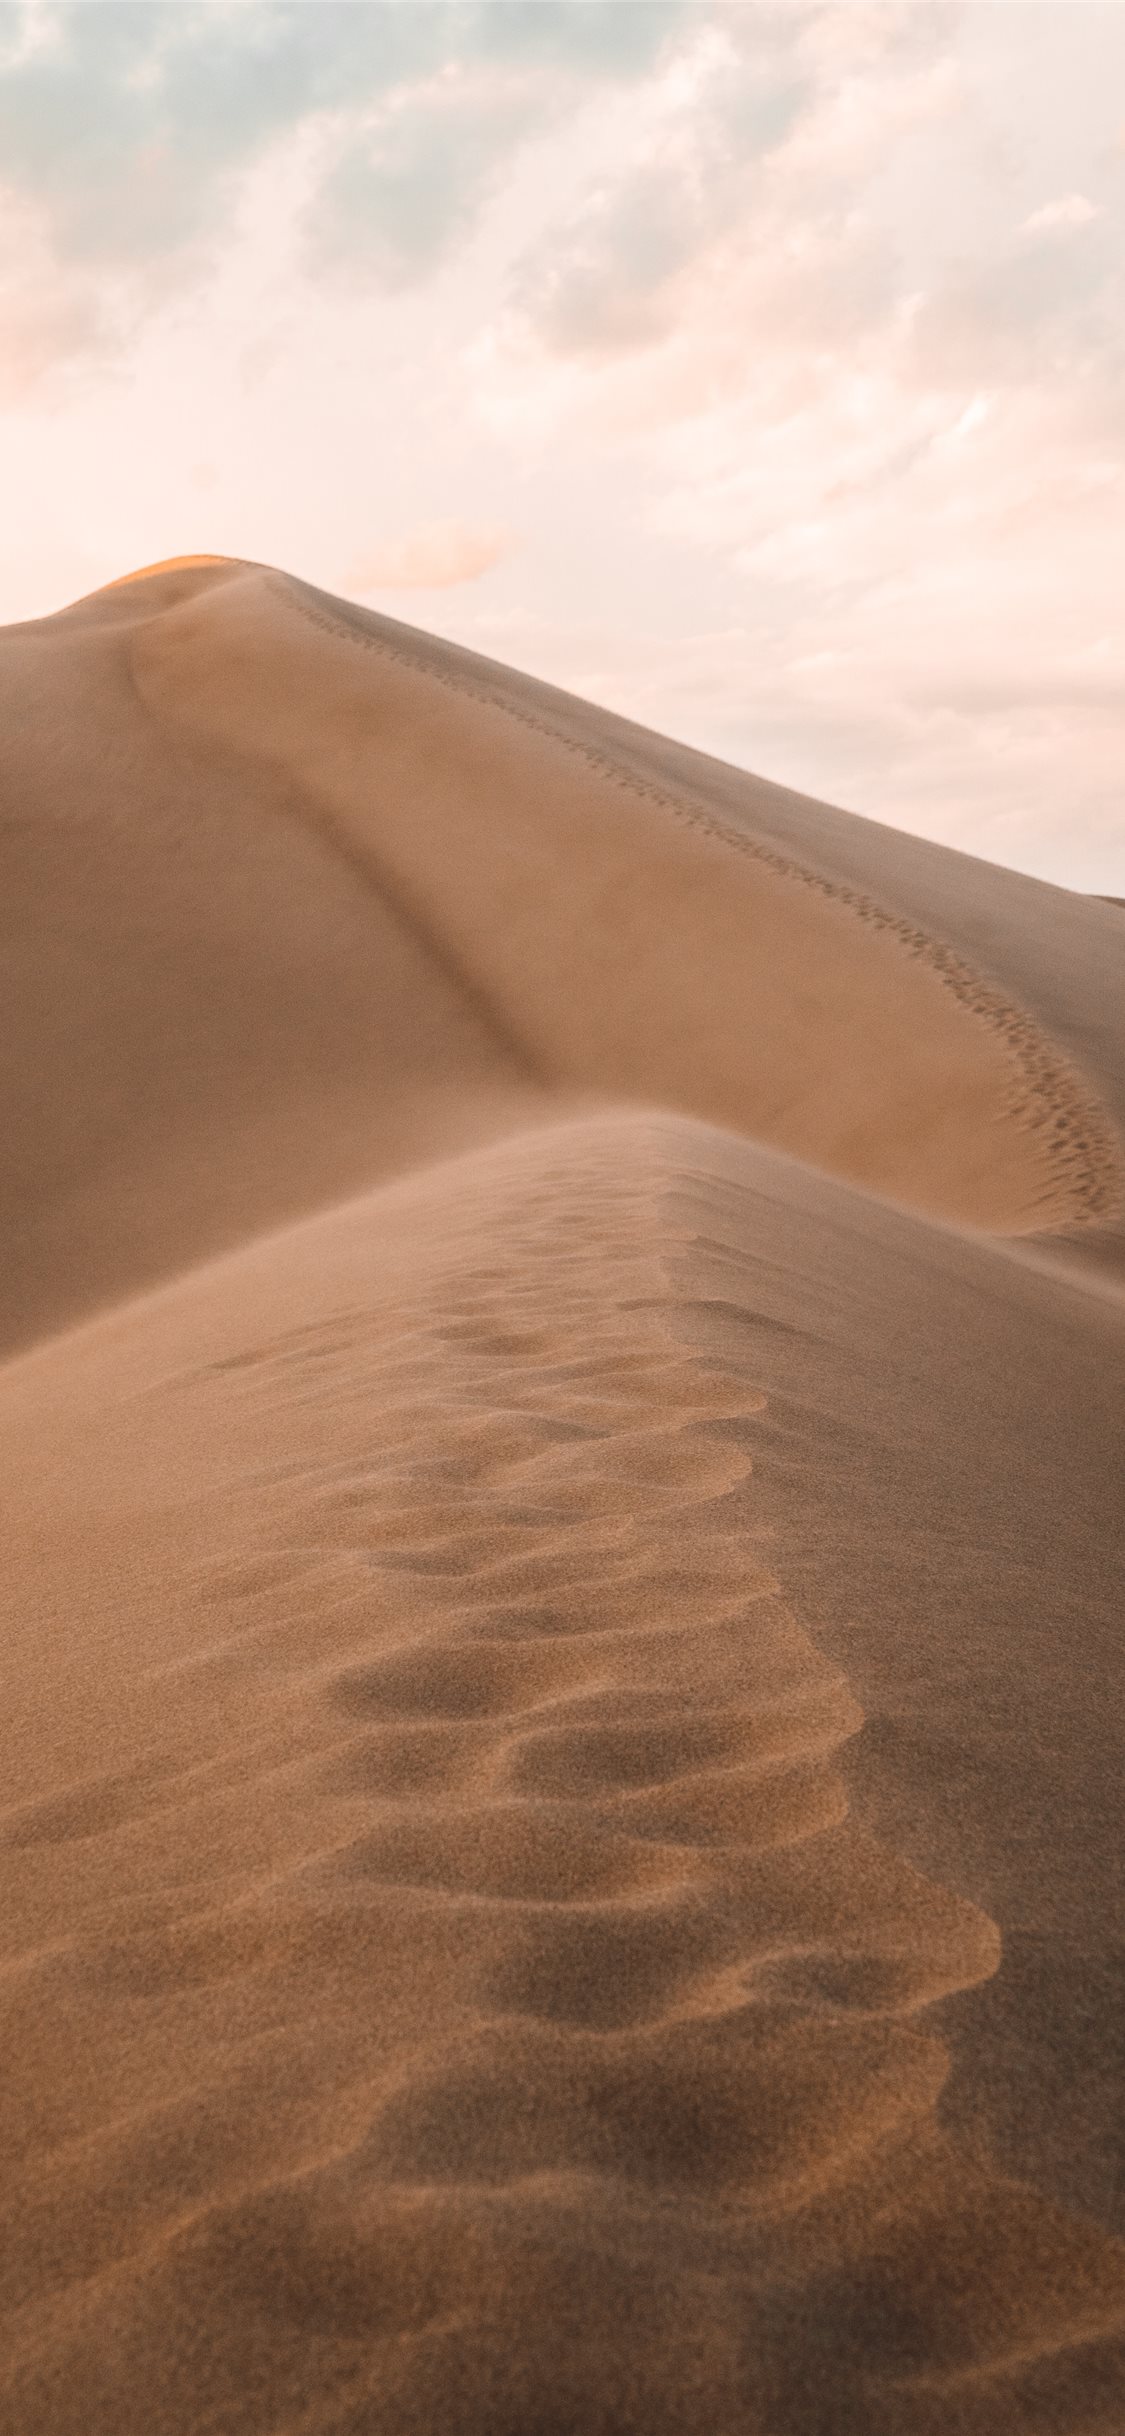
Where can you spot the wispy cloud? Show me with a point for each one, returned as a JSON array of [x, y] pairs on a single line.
[[433, 556], [1068, 211], [130, 125]]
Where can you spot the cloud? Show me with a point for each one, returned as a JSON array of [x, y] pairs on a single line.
[[128, 132], [46, 316], [846, 361], [1069, 211], [608, 278], [127, 121], [412, 175], [409, 182], [591, 37], [607, 282], [739, 188], [433, 557]]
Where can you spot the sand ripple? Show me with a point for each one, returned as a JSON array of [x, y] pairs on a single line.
[[481, 2012]]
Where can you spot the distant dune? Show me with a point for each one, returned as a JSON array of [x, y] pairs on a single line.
[[563, 1420]]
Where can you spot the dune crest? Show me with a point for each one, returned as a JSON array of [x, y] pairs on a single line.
[[296, 901], [210, 1027], [517, 2029], [562, 1640], [610, 930], [169, 566]]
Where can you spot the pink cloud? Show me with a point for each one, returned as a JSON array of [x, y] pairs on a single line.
[[433, 557], [1068, 211]]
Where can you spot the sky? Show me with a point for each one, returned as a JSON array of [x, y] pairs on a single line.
[[758, 371]]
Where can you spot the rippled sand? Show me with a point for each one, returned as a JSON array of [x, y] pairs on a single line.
[[564, 1431]]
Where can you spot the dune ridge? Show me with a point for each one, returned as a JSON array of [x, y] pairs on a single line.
[[284, 917], [558, 903], [489, 1236], [513, 2026], [164, 567], [207, 1027], [1050, 1096]]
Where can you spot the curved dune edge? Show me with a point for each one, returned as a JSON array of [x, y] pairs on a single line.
[[504, 2024], [211, 1028], [168, 566], [1050, 1097], [763, 1015]]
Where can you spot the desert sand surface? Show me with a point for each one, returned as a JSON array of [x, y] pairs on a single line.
[[562, 1419]]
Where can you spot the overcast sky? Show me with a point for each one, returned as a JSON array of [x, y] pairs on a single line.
[[759, 371]]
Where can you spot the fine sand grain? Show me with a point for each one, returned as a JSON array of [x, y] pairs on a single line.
[[562, 1429]]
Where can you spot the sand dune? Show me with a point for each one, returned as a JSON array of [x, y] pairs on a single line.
[[563, 1432], [351, 916]]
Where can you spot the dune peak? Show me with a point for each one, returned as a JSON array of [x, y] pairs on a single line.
[[561, 1671], [170, 566]]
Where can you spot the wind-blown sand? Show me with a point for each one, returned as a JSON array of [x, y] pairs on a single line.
[[563, 1430]]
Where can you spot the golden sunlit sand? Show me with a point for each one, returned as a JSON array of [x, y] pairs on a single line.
[[563, 1431], [166, 566]]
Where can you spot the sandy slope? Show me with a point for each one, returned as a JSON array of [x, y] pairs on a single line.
[[563, 1670]]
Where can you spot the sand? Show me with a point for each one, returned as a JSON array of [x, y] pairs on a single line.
[[563, 1429]]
